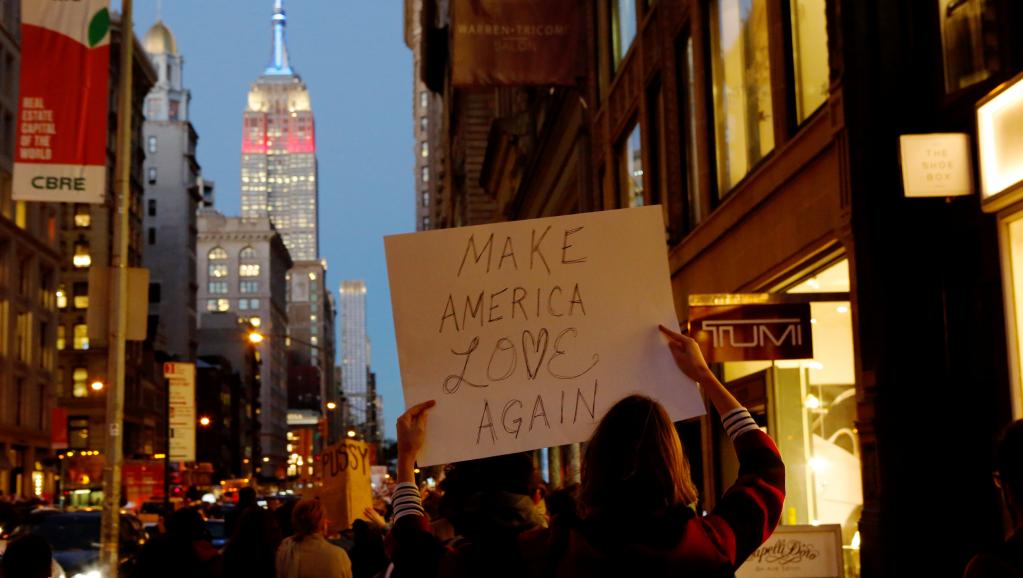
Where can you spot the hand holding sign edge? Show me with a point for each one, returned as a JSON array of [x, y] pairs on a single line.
[[411, 437]]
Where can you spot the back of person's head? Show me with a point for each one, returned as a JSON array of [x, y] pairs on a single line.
[[307, 517], [283, 515], [187, 524], [486, 498], [1009, 463], [28, 557], [512, 473], [634, 464], [246, 497], [561, 503], [257, 528]]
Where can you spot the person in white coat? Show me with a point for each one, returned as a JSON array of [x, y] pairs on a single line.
[[307, 554]]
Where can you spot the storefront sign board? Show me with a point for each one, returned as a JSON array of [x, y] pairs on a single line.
[[760, 332], [797, 552], [936, 165], [525, 333]]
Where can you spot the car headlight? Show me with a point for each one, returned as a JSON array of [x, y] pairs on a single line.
[[88, 574]]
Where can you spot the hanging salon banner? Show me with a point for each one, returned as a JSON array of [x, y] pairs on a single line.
[[61, 136], [752, 332], [514, 42], [525, 333]]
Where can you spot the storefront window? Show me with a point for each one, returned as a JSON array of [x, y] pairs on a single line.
[[810, 411], [623, 28], [630, 169], [969, 41], [809, 55], [1012, 233], [78, 433], [743, 119]]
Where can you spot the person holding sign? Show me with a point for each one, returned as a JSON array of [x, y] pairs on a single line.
[[637, 501]]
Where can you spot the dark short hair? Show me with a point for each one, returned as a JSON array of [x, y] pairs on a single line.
[[28, 557]]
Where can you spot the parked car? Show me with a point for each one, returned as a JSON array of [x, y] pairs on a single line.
[[75, 539]]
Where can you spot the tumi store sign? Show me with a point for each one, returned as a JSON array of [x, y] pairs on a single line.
[[758, 332]]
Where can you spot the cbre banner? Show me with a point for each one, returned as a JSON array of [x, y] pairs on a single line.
[[63, 104]]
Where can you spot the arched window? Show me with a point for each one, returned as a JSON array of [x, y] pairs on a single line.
[[248, 253], [217, 270]]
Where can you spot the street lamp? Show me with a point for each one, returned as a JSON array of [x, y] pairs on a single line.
[[97, 385], [255, 337], [204, 421], [351, 433], [331, 405]]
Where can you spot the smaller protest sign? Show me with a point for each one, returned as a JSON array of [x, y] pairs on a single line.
[[344, 471]]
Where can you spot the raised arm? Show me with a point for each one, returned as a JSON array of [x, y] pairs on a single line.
[[748, 512]]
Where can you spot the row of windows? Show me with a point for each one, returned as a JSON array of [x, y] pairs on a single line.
[[79, 337], [221, 287], [224, 304], [744, 113], [220, 254]]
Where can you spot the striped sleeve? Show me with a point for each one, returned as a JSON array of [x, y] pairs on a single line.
[[406, 501], [737, 422]]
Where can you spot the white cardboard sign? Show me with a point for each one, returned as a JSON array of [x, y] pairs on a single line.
[[526, 333]]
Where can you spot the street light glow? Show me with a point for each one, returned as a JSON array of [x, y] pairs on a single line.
[[255, 337], [204, 421], [351, 433], [331, 405], [97, 386]]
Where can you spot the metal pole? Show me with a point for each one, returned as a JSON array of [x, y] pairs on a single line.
[[118, 307]]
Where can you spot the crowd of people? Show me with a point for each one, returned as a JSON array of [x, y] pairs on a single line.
[[635, 512]]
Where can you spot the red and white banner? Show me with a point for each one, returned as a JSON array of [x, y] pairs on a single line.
[[63, 105]]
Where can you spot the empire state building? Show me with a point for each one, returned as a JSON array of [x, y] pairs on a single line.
[[279, 151]]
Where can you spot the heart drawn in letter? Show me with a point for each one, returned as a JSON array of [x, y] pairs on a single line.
[[534, 346]]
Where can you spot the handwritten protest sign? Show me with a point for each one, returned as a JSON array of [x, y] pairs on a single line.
[[526, 333], [344, 471]]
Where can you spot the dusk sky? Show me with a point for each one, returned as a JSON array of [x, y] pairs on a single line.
[[353, 58]]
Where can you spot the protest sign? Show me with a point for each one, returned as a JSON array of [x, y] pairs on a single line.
[[526, 333], [344, 470]]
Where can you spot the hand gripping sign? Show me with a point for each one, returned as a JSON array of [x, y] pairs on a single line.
[[526, 333]]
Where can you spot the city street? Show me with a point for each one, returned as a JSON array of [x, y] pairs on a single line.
[[574, 288]]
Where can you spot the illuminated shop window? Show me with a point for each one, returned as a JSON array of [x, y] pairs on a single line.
[[740, 66]]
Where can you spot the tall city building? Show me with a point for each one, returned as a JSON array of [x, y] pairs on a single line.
[[242, 269], [355, 351], [87, 242], [426, 109], [311, 316], [172, 196], [28, 273], [279, 151]]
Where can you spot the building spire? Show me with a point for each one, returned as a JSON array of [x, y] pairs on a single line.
[[279, 64]]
